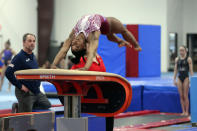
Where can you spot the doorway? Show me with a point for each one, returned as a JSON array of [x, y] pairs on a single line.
[[172, 50], [192, 48]]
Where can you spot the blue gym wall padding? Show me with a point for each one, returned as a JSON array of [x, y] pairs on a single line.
[[114, 57], [193, 99], [149, 58]]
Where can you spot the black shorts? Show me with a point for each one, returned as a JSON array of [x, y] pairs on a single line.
[[183, 77]]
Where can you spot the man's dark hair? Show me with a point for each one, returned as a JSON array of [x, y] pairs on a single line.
[[25, 36]]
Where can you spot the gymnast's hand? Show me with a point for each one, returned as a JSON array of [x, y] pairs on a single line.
[[25, 89], [82, 69], [137, 48], [54, 67], [175, 83]]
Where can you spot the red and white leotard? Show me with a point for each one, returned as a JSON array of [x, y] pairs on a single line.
[[90, 23]]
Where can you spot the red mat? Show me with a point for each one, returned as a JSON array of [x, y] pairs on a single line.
[[145, 127], [134, 129], [137, 113], [5, 111], [162, 123]]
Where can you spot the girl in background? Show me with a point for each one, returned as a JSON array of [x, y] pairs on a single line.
[[183, 65], [6, 56]]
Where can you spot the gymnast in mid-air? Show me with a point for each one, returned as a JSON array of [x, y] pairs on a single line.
[[84, 38]]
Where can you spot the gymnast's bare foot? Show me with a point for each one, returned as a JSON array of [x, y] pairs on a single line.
[[137, 48], [182, 114], [189, 117], [124, 43], [187, 114]]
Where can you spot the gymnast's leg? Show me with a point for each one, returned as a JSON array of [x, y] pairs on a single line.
[[185, 95], [180, 89], [117, 27], [2, 76]]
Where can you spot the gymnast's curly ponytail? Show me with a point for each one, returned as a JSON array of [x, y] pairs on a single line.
[[75, 60], [78, 55]]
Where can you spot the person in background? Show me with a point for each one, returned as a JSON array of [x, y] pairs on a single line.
[[183, 65], [6, 55], [27, 92]]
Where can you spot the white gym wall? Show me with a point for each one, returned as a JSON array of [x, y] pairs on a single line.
[[154, 12], [20, 16], [182, 18], [17, 17], [189, 18]]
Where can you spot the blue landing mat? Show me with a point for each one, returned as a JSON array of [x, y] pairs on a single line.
[[156, 81], [157, 93]]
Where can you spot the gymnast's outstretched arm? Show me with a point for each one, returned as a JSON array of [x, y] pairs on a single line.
[[92, 45], [63, 51]]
